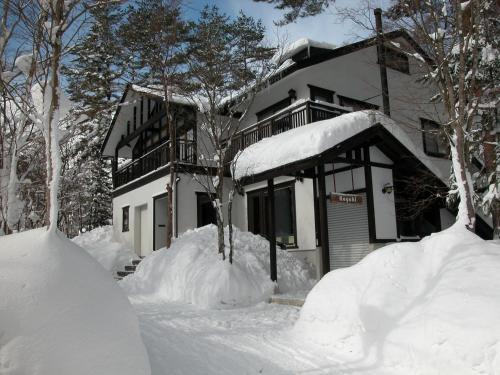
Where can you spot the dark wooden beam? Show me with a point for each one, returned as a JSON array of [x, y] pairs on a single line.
[[369, 197], [323, 220], [141, 128], [272, 229]]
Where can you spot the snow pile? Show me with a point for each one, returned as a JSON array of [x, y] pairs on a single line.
[[295, 47], [192, 271], [61, 313], [430, 307], [313, 139], [101, 244]]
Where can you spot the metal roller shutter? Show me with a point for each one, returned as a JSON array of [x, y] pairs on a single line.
[[348, 236]]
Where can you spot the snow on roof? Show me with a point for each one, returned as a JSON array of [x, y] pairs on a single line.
[[297, 46], [313, 139], [157, 90]]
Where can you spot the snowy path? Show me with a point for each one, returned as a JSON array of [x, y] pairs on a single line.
[[181, 339]]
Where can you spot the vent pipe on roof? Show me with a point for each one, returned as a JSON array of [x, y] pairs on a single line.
[[381, 61]]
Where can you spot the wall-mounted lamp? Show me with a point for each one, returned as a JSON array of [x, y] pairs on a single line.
[[387, 188], [292, 94]]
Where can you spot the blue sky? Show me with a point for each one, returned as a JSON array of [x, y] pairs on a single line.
[[325, 27]]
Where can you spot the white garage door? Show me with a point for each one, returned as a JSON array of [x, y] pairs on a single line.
[[347, 233]]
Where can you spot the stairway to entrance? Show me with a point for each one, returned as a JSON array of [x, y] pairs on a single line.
[[128, 269]]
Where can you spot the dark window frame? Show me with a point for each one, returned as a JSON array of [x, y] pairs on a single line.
[[199, 218], [315, 90], [396, 60], [262, 193], [125, 219], [272, 109], [345, 99], [426, 133]]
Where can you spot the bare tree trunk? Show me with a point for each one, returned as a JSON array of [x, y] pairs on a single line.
[[490, 171], [220, 217], [230, 224], [466, 212], [53, 116]]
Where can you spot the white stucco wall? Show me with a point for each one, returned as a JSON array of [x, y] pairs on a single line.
[[144, 197], [356, 75]]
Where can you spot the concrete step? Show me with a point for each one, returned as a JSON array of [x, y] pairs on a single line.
[[291, 301], [124, 273], [135, 262], [130, 268]]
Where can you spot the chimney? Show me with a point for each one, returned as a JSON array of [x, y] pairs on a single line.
[[381, 61]]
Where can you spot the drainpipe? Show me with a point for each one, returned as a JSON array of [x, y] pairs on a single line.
[[381, 61]]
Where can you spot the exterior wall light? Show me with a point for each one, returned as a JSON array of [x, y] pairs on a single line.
[[387, 188], [292, 94]]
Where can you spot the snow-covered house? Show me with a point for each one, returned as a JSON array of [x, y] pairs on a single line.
[[341, 182]]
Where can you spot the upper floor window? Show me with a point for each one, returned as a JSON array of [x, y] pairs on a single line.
[[355, 104], [125, 219], [321, 94], [272, 109], [397, 60], [435, 143]]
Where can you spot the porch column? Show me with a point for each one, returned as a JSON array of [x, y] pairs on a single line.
[[272, 229], [323, 219]]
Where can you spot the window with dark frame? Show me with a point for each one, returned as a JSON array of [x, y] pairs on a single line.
[[284, 200], [435, 143], [125, 218], [272, 109], [355, 104], [397, 60], [321, 94], [205, 210]]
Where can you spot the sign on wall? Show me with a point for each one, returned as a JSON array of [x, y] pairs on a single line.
[[346, 198]]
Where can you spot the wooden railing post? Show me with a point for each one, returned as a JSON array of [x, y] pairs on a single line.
[[308, 112]]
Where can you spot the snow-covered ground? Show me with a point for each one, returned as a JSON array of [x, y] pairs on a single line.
[[62, 313], [429, 307], [101, 243]]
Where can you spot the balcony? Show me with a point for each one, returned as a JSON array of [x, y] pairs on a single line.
[[291, 118], [153, 160]]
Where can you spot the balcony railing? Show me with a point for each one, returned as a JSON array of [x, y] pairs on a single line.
[[154, 159], [302, 114]]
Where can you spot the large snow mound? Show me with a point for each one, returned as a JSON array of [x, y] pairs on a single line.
[[431, 307], [192, 271], [61, 313], [102, 245]]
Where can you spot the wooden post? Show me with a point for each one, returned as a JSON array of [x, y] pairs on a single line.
[[369, 195], [381, 61], [272, 229], [323, 219]]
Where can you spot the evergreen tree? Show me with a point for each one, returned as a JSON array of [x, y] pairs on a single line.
[[228, 61], [154, 35], [95, 75]]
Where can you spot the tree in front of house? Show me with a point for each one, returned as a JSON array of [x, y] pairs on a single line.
[[95, 75], [228, 60], [454, 36], [154, 35]]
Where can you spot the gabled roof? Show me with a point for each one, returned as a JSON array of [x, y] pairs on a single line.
[[155, 92]]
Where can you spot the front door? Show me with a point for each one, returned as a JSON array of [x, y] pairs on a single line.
[[160, 221]]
